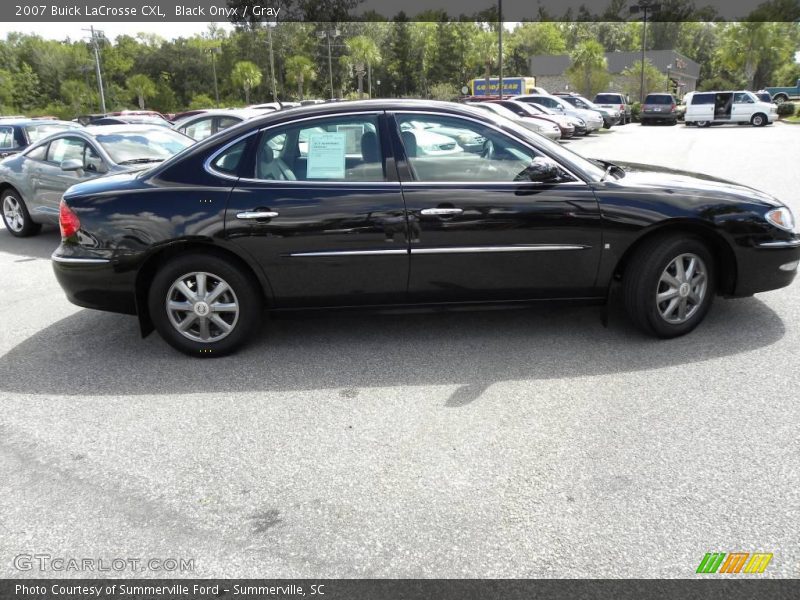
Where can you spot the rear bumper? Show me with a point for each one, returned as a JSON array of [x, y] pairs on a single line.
[[767, 266], [91, 280]]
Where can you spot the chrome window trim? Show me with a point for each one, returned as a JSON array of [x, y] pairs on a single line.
[[208, 168], [578, 180], [780, 244]]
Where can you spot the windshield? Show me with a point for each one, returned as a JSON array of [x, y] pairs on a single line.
[[38, 132], [145, 145]]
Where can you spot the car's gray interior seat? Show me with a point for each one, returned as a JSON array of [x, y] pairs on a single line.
[[272, 167]]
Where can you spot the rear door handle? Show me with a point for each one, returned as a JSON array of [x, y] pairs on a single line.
[[441, 212], [257, 214]]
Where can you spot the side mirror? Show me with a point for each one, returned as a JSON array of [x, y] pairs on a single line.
[[541, 170], [73, 164]]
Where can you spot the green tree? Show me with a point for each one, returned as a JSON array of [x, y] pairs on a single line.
[[246, 75], [201, 101], [26, 88], [299, 70], [589, 69], [142, 87], [6, 90], [363, 53], [77, 95], [654, 80], [532, 39], [487, 50]]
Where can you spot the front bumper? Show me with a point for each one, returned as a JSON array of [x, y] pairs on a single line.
[[92, 280], [767, 266]]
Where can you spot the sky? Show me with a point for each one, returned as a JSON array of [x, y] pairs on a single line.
[[59, 31]]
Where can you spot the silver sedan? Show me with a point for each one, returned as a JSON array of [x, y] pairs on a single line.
[[32, 182]]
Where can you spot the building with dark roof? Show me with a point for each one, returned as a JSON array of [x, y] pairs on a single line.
[[550, 70]]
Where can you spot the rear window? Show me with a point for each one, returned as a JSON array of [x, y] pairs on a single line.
[[608, 99], [38, 132], [703, 99], [658, 99]]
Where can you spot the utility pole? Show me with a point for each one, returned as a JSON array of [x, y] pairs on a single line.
[[213, 52], [333, 33], [644, 6], [270, 25], [95, 36], [500, 44]]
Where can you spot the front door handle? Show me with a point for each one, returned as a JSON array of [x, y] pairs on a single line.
[[257, 214], [441, 212]]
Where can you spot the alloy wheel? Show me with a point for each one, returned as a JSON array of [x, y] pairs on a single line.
[[681, 288], [12, 211], [202, 307]]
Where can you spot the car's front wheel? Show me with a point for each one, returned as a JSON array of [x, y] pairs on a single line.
[[668, 285], [758, 120], [16, 217], [203, 305]]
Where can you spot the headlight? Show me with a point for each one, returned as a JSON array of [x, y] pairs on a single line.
[[782, 218]]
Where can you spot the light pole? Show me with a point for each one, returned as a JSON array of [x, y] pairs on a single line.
[[669, 66], [213, 52], [270, 25], [377, 88], [331, 34], [644, 6], [95, 36]]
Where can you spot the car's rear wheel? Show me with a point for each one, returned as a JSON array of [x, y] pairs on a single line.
[[203, 305], [16, 216], [703, 123], [758, 120], [668, 286]]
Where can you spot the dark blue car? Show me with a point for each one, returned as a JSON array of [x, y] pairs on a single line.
[[16, 134]]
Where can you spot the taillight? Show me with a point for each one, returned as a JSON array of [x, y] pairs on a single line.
[[673, 106], [68, 221], [621, 107]]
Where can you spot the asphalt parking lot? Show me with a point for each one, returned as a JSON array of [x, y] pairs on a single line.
[[525, 443]]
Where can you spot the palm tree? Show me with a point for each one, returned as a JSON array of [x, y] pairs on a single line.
[[246, 75], [364, 53], [300, 69], [142, 87], [589, 69], [487, 50]]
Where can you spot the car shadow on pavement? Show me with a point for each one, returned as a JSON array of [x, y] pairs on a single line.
[[36, 246], [97, 354]]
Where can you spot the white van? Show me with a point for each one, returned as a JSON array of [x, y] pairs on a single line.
[[705, 108]]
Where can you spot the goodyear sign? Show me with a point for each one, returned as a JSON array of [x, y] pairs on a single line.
[[512, 86]]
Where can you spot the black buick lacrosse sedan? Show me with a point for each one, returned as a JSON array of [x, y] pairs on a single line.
[[378, 203]]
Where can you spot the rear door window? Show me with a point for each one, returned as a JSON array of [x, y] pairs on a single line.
[[608, 99], [6, 138], [658, 99], [342, 148]]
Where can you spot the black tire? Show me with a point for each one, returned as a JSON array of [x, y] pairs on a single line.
[[21, 225], [758, 120], [780, 98], [703, 123], [642, 281], [242, 293]]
